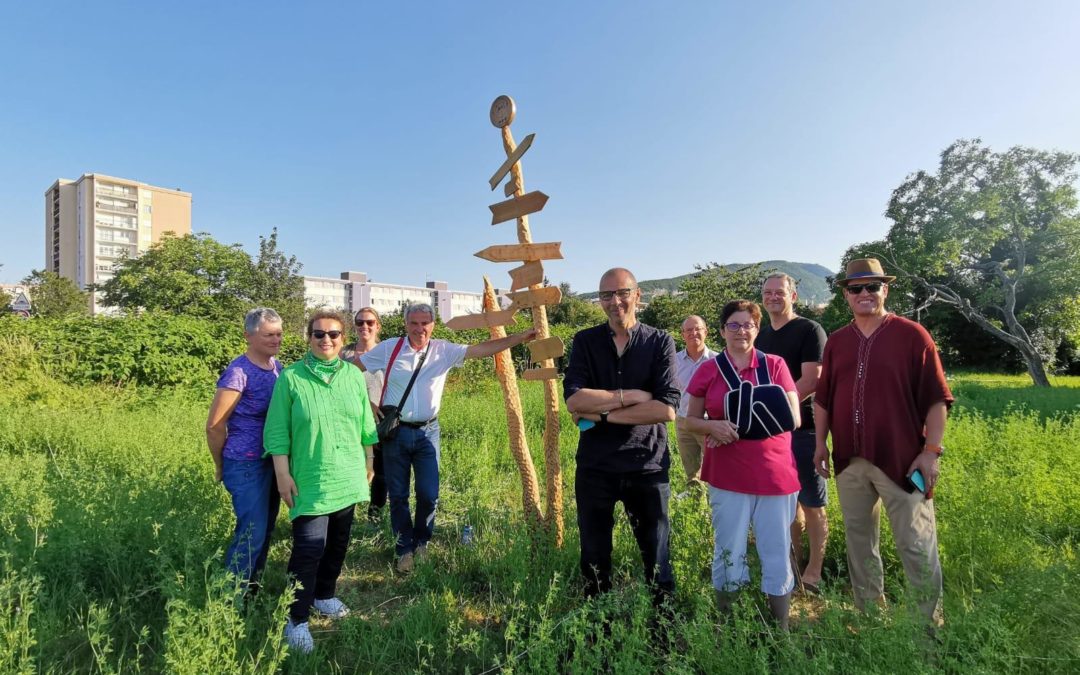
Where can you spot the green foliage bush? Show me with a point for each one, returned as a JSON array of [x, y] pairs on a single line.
[[150, 350]]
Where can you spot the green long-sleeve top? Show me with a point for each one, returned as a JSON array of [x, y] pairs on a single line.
[[322, 428]]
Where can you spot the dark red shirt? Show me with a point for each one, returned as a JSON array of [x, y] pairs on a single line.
[[877, 391]]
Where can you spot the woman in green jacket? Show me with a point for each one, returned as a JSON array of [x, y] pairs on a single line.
[[319, 431]]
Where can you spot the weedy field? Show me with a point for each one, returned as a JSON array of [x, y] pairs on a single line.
[[113, 533]]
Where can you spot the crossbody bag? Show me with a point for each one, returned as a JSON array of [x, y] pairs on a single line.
[[388, 426]]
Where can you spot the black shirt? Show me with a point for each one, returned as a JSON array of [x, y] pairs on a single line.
[[797, 342], [647, 363]]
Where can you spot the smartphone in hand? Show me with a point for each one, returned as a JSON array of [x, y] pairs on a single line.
[[916, 479]]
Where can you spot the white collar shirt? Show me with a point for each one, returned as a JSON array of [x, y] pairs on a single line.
[[426, 395], [684, 370]]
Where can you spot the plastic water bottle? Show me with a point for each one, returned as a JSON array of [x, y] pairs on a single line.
[[467, 535]]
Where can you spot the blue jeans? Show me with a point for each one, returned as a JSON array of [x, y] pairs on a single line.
[[255, 500], [415, 451], [645, 499]]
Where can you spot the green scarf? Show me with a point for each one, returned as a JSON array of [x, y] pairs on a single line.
[[324, 370]]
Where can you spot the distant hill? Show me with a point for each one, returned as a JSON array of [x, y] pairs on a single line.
[[813, 288]]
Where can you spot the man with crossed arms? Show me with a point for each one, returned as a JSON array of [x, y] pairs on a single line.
[[621, 376]]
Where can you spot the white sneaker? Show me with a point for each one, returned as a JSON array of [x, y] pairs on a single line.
[[299, 637], [331, 608]]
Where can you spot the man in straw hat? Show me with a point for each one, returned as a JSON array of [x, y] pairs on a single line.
[[882, 394]]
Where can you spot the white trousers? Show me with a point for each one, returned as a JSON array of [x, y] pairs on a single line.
[[771, 516]]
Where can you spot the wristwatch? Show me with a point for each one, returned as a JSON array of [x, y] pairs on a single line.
[[603, 416], [936, 449]]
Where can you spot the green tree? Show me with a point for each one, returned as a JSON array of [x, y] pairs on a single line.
[[197, 275], [53, 296], [573, 310], [277, 283], [192, 274], [995, 236], [704, 294]]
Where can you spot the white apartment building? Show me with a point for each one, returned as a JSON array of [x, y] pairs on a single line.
[[354, 290], [95, 221]]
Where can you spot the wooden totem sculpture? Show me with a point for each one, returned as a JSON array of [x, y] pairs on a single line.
[[536, 297]]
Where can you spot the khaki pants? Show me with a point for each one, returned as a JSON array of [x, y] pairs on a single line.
[[691, 448], [862, 487]]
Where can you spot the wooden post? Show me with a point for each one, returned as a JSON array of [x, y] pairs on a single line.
[[553, 481], [515, 424]]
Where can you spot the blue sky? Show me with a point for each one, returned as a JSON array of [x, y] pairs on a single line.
[[667, 134]]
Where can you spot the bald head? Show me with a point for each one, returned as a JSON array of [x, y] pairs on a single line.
[[619, 297], [618, 273]]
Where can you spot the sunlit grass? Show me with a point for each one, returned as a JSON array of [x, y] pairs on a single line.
[[113, 532]]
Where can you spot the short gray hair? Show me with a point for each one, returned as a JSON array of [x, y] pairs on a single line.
[[419, 307], [788, 279], [256, 316]]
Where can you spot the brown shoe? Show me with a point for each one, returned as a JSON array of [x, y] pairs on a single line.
[[405, 563], [421, 553]]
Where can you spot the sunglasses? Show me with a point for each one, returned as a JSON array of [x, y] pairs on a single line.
[[734, 327], [365, 322], [320, 334], [623, 294], [856, 289]]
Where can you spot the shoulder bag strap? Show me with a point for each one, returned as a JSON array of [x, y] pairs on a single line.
[[727, 371], [412, 379], [386, 373], [762, 368]]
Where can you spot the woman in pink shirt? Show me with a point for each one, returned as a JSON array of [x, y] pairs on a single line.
[[750, 481]]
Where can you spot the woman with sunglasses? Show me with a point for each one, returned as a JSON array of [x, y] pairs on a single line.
[[368, 326], [750, 481], [319, 431]]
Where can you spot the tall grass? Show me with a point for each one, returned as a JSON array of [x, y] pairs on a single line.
[[113, 533]]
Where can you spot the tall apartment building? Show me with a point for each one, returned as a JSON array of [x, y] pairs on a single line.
[[354, 290], [93, 222]]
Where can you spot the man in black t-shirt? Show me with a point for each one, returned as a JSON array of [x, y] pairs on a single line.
[[800, 342]]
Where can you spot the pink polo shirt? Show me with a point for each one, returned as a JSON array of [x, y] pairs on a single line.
[[764, 467]]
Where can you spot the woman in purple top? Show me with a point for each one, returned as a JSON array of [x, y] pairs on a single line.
[[234, 432]]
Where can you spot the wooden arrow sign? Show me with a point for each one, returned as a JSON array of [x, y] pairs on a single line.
[[513, 159], [529, 274], [482, 320], [548, 348], [517, 207], [521, 252], [548, 295], [540, 374], [510, 188]]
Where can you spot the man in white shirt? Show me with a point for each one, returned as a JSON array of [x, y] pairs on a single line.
[[415, 449], [694, 332]]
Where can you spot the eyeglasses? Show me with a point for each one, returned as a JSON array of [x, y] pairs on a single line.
[[734, 326], [320, 334], [856, 289], [365, 322], [623, 293]]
